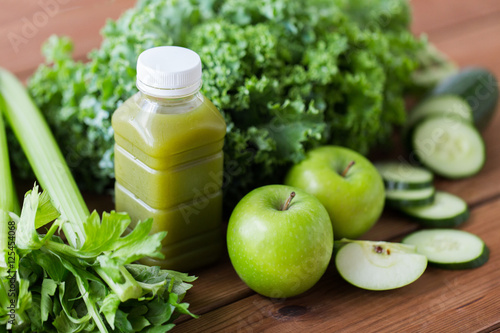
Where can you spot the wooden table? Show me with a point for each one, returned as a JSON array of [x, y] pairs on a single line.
[[440, 301]]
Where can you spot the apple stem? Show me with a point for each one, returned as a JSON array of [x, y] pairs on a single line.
[[346, 170], [288, 202]]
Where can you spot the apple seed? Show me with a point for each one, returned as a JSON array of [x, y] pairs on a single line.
[[380, 249]]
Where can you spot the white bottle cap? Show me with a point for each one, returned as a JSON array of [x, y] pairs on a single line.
[[168, 71]]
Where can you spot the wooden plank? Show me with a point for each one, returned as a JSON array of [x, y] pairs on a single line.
[[477, 43], [26, 24], [217, 286], [441, 300], [432, 17]]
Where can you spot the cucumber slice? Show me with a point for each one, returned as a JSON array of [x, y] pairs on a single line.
[[410, 198], [450, 248], [397, 175], [478, 86], [379, 265], [449, 105], [450, 147], [447, 210]]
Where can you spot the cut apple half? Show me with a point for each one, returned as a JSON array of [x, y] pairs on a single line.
[[379, 265]]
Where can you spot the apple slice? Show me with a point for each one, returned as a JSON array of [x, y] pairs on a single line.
[[379, 265]]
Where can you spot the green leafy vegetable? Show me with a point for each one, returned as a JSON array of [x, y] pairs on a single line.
[[72, 273], [27, 238], [85, 285], [287, 75]]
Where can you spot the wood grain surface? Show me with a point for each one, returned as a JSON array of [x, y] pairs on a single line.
[[440, 301]]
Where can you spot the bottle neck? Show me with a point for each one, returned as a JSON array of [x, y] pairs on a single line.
[[169, 105]]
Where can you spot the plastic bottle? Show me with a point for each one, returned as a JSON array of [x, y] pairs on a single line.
[[169, 159]]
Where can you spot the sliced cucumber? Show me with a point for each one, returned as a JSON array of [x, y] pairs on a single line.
[[450, 147], [478, 86], [379, 265], [449, 248], [410, 198], [447, 210], [450, 105], [398, 175]]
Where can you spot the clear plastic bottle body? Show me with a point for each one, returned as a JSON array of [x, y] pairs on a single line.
[[169, 167]]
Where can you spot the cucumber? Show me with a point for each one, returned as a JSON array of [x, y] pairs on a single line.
[[478, 86], [449, 248], [410, 198], [447, 210], [451, 105], [397, 175], [449, 147]]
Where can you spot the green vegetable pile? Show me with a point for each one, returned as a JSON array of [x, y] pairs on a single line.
[[287, 76]]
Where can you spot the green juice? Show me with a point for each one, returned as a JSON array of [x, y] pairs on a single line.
[[168, 166]]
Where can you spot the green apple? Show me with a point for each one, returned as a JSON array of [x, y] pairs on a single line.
[[346, 183], [280, 240], [379, 265]]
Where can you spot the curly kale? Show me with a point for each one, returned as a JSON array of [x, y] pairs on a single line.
[[286, 75]]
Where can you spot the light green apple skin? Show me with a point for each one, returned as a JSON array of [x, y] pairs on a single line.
[[279, 254], [354, 202]]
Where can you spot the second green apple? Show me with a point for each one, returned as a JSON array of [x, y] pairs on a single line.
[[346, 183]]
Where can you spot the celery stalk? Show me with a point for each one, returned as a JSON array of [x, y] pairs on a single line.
[[8, 200], [8, 203], [44, 156]]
